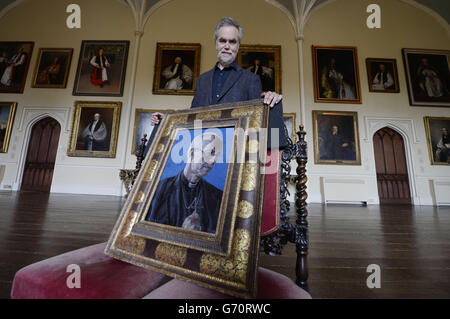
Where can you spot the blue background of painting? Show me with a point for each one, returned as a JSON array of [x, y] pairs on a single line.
[[218, 173]]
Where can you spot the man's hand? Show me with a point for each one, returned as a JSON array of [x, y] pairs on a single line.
[[271, 98], [156, 118], [192, 222]]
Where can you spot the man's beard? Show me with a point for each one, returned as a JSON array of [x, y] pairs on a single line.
[[226, 59]]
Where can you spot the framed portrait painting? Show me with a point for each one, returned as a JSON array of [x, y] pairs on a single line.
[[265, 61], [336, 74], [289, 122], [382, 75], [52, 68], [14, 63], [336, 138], [177, 66], [194, 212], [427, 76], [95, 127], [142, 125], [438, 139], [7, 112], [101, 70]]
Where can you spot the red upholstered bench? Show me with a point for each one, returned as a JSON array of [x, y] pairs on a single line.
[[105, 277]]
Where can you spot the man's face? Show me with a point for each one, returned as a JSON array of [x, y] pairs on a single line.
[[382, 67], [97, 117], [444, 131], [257, 62], [227, 45], [177, 60], [334, 129], [202, 161]]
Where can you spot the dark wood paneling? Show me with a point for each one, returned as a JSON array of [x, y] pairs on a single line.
[[391, 167], [41, 156]]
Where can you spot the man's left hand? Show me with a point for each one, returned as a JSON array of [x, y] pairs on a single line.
[[271, 98]]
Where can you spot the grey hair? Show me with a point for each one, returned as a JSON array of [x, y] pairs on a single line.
[[227, 21]]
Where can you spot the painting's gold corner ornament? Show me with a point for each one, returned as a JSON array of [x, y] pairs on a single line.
[[127, 241], [249, 179], [245, 209], [234, 268], [171, 254]]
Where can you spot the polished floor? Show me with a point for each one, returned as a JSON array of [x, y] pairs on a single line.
[[410, 244]]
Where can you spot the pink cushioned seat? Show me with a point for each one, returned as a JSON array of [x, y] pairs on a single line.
[[107, 278], [101, 277]]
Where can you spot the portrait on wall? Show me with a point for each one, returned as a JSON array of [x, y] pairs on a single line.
[[382, 75], [14, 62], [438, 139], [102, 66], [195, 208], [177, 66], [7, 112], [265, 61], [142, 125], [427, 76], [336, 138], [289, 122], [95, 129], [52, 68], [336, 75]]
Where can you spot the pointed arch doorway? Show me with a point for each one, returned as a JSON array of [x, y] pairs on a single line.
[[41, 156], [391, 167]]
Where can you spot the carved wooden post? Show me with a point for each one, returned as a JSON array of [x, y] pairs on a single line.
[[140, 156], [301, 223]]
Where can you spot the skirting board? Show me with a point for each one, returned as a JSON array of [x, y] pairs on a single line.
[[344, 190], [441, 192]]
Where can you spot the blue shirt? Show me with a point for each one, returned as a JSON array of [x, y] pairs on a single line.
[[219, 79]]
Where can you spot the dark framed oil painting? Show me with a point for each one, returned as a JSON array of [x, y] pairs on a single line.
[[382, 75], [265, 61], [336, 138], [438, 139], [195, 209], [95, 128], [102, 67], [427, 76], [177, 66], [336, 74], [14, 63], [52, 68]]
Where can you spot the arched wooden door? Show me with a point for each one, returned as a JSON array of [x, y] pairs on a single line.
[[41, 156], [392, 170]]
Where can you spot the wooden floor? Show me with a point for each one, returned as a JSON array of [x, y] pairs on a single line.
[[410, 244]]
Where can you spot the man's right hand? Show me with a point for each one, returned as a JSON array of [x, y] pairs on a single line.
[[156, 118]]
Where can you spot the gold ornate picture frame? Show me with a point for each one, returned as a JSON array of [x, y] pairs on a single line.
[[336, 138], [438, 145], [7, 112], [264, 60], [142, 125], [336, 74], [95, 128], [177, 67], [223, 258]]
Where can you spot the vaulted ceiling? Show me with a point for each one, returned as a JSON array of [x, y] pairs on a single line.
[[298, 11]]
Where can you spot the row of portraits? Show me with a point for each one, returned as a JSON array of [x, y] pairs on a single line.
[[336, 139], [102, 68]]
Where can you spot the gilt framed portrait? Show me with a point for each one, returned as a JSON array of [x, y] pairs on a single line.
[[194, 212], [7, 112], [177, 66], [52, 68], [289, 122], [265, 61], [102, 67], [336, 138], [95, 127], [438, 139], [427, 76], [382, 75], [142, 125], [336, 74], [14, 63]]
